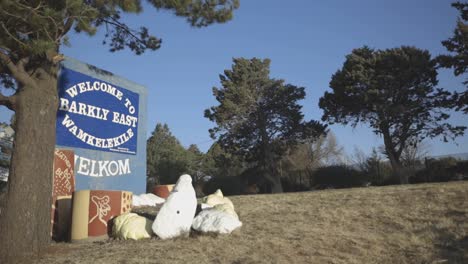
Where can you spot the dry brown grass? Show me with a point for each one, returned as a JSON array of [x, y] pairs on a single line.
[[425, 223]]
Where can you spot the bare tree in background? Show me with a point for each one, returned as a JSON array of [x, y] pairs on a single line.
[[413, 155], [302, 160]]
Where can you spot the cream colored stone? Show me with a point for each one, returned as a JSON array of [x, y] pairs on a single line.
[[227, 208], [217, 198], [132, 226]]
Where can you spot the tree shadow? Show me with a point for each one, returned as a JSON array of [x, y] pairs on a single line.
[[451, 248]]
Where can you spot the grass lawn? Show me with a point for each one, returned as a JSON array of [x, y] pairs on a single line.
[[426, 223]]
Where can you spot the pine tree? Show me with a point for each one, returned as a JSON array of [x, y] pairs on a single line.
[[259, 117]]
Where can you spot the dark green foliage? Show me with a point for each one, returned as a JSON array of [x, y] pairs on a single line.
[[436, 170], [228, 185], [338, 176], [200, 13], [31, 29], [219, 163], [457, 45], [166, 157], [258, 117], [376, 170], [297, 182], [195, 163], [394, 92]]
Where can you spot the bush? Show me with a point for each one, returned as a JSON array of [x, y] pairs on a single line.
[[228, 185], [440, 170], [339, 176], [295, 181]]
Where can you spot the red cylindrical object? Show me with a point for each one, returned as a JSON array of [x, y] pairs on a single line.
[[163, 191]]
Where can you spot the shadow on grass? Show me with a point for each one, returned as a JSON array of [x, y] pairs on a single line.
[[452, 248]]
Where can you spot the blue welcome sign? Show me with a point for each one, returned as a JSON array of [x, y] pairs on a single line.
[[102, 117], [95, 114]]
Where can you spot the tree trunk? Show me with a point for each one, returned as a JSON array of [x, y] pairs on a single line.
[[393, 156], [397, 168], [276, 187], [25, 220]]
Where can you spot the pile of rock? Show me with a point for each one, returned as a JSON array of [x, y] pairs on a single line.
[[218, 215], [177, 217]]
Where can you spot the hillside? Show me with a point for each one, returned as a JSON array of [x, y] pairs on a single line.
[[398, 224]]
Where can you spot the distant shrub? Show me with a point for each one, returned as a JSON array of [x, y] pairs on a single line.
[[228, 185], [437, 170], [339, 176], [290, 184]]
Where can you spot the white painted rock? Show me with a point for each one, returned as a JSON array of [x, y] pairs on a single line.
[[147, 199], [132, 226], [176, 215], [214, 220], [217, 198]]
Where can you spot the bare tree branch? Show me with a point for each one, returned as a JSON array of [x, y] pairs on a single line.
[[66, 27], [8, 101], [16, 71]]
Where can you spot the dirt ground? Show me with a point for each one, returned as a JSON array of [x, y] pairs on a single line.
[[425, 223]]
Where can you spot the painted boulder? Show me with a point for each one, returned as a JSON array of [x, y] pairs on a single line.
[[132, 226], [93, 210], [176, 215], [217, 198]]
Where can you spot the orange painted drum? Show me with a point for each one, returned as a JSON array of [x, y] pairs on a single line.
[[93, 211], [163, 191], [63, 188]]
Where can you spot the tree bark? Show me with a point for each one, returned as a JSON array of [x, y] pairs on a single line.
[[276, 187], [397, 167], [393, 156], [25, 219]]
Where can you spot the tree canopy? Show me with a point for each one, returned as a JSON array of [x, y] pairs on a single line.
[[259, 117], [457, 45], [166, 157], [394, 91]]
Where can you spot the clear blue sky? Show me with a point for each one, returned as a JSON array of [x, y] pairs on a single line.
[[306, 40]]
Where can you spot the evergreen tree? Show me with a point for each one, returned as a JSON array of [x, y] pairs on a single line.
[[166, 157], [458, 59], [394, 92], [195, 163], [219, 163], [259, 117]]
